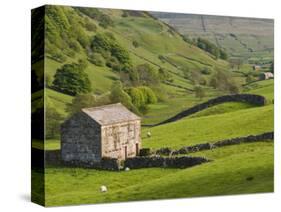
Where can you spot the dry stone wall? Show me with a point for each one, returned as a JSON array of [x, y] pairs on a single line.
[[207, 146], [164, 162], [247, 98]]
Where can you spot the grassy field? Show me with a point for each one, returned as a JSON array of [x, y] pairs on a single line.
[[234, 170], [189, 131]]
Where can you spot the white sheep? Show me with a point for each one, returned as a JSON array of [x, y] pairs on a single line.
[[127, 169], [148, 134], [103, 188]]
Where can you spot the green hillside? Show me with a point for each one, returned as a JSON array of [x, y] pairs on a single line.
[[247, 38]]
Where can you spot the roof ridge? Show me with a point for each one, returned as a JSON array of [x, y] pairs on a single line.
[[102, 106], [110, 114]]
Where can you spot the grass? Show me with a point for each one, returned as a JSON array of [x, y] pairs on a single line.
[[264, 88], [223, 108], [210, 128], [49, 144], [245, 168]]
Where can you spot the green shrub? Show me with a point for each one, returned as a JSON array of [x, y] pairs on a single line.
[[97, 59], [53, 120], [104, 43], [206, 71], [105, 21], [223, 82], [147, 75], [135, 44], [81, 101], [164, 75], [137, 97], [149, 95], [117, 94], [89, 25], [199, 92]]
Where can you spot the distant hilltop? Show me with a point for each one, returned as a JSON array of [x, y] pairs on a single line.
[[243, 37]]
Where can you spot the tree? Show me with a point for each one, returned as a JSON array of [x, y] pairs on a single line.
[[235, 62], [53, 120], [71, 79], [199, 92], [117, 94], [147, 75], [90, 26], [136, 44], [97, 59], [149, 95], [223, 82], [81, 101], [223, 55], [137, 97], [250, 78]]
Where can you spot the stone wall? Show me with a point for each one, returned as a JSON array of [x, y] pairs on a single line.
[[111, 164], [81, 139], [42, 158], [163, 162], [207, 146], [247, 98]]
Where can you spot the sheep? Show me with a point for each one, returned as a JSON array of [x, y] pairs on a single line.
[[148, 134], [103, 188], [127, 169]]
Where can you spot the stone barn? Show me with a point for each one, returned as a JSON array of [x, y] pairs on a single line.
[[266, 76], [110, 131]]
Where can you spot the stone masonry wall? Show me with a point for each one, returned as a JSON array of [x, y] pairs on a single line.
[[81, 139], [121, 140]]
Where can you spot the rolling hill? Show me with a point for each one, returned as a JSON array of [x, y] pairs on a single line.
[[249, 38]]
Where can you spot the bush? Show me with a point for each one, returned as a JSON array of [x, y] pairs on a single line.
[[164, 75], [147, 75], [71, 79], [211, 48], [90, 26], [199, 92], [149, 95], [141, 97], [224, 82], [206, 71], [135, 44], [137, 97], [81, 101], [104, 43], [53, 120], [97, 59], [250, 78], [105, 21]]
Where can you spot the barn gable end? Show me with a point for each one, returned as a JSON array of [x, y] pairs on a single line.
[[81, 139]]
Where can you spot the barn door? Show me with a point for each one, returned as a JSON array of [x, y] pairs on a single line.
[[125, 152], [137, 149]]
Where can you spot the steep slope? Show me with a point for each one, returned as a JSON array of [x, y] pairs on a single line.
[[68, 38]]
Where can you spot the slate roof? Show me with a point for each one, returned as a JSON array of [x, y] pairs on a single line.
[[110, 114]]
